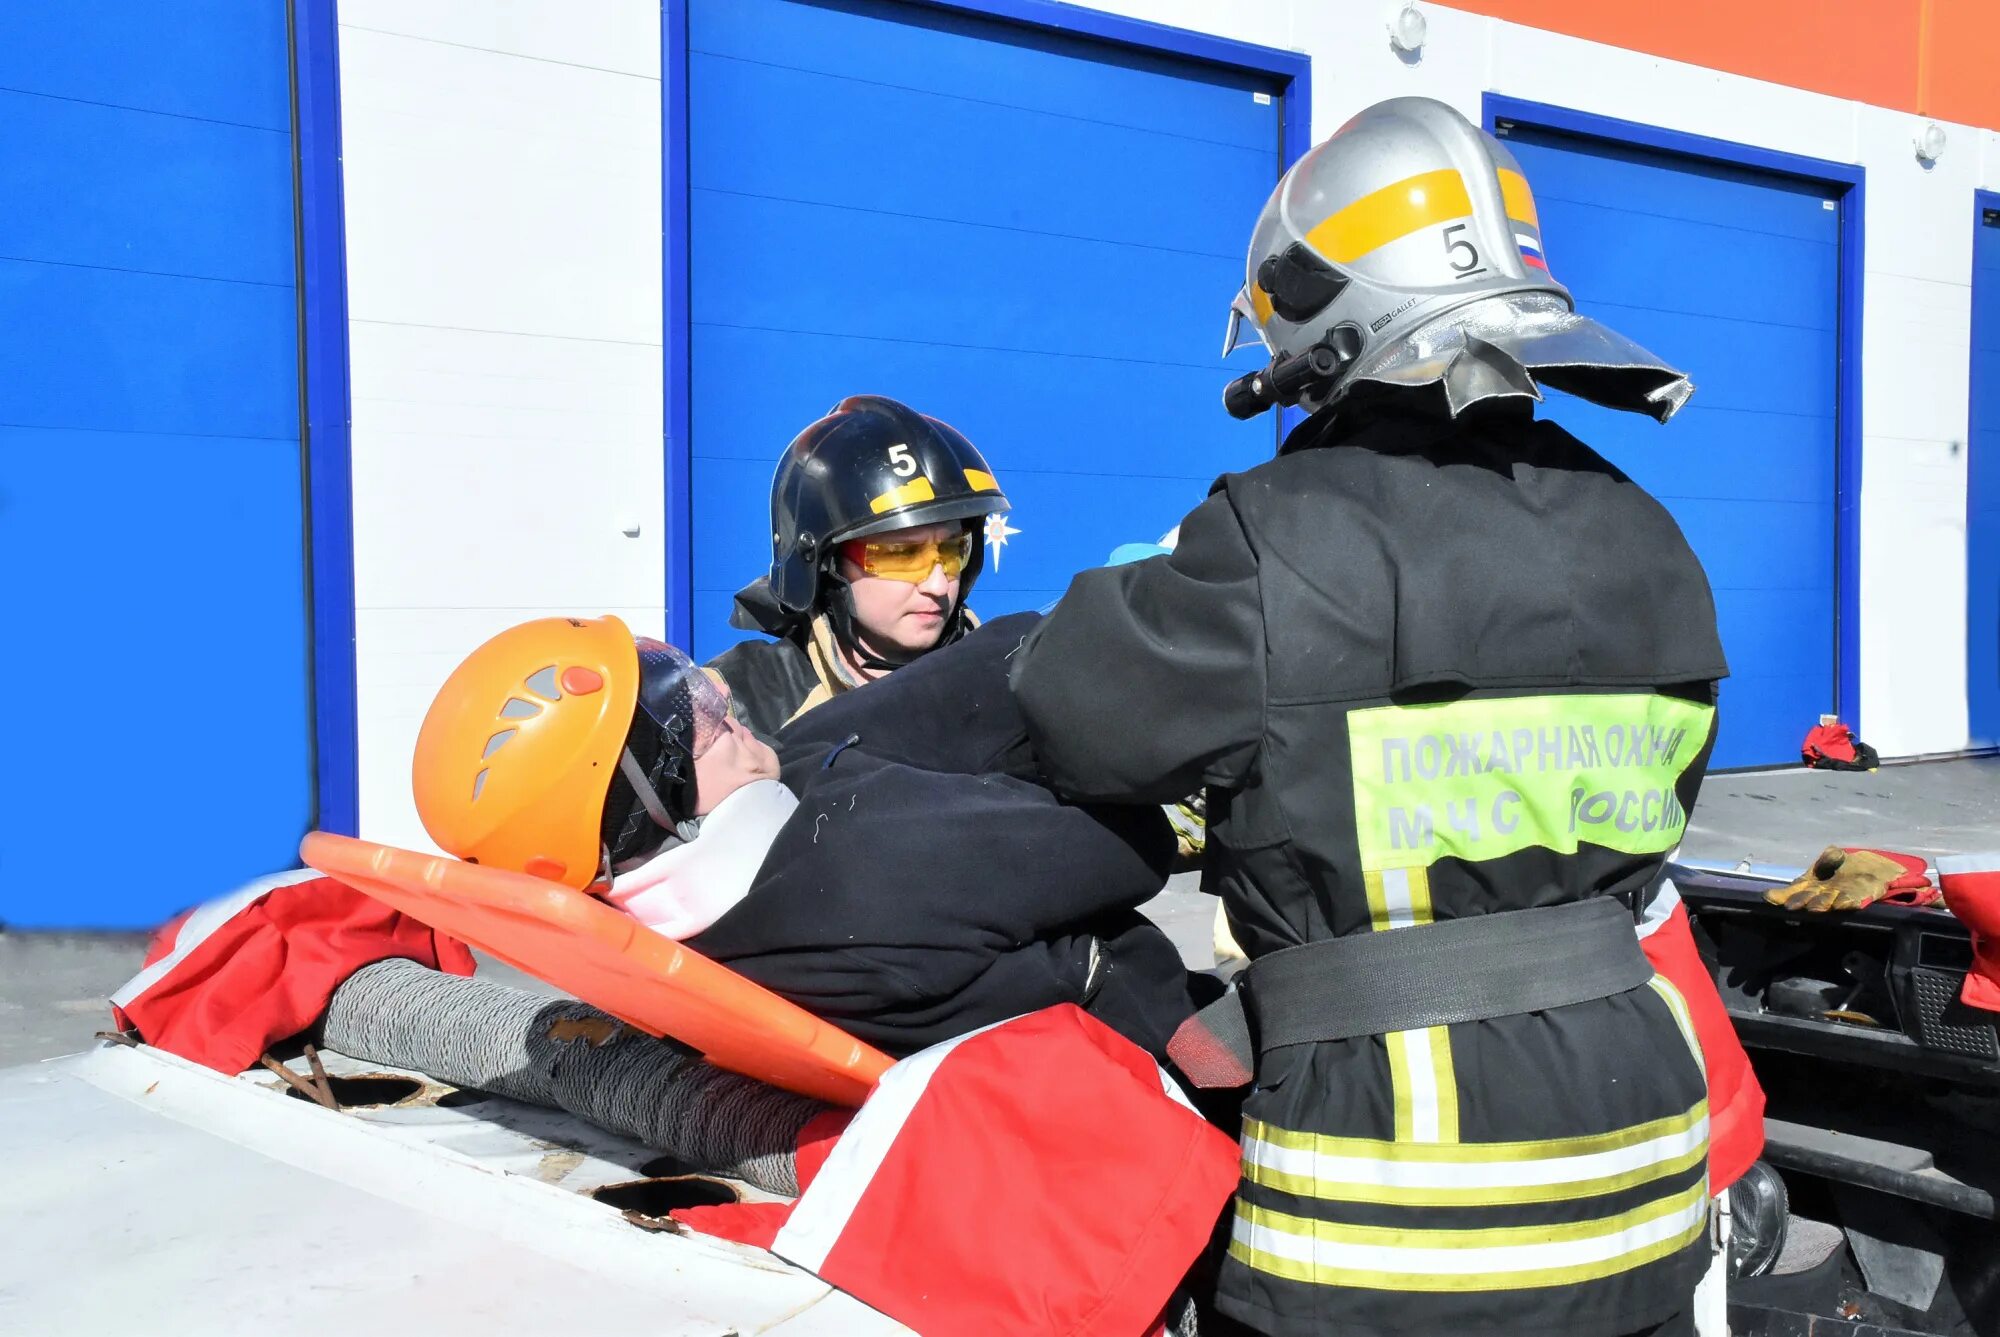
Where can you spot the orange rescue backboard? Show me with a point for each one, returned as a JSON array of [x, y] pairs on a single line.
[[613, 962]]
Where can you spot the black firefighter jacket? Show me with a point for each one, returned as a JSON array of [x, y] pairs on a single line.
[[773, 681], [929, 882], [768, 679], [1426, 669]]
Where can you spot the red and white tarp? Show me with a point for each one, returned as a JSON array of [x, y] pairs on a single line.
[[1042, 1175], [229, 978]]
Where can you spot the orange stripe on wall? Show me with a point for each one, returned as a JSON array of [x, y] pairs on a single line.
[[1963, 82], [1866, 50]]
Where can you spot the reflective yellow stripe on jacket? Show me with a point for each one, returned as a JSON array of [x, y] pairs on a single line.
[[1472, 1174], [1500, 1259], [1420, 1067], [1477, 780]]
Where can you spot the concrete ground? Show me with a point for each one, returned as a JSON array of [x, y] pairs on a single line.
[[53, 986], [1786, 817]]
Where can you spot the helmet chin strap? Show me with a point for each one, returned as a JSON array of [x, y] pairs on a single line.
[[840, 612], [670, 829], [646, 789], [642, 788]]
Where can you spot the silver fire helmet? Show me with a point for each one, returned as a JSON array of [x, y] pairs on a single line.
[[1406, 251]]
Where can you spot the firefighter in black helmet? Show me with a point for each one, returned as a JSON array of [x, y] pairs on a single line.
[[877, 536]]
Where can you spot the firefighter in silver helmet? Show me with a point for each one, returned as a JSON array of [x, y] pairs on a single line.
[[1406, 252], [1449, 678]]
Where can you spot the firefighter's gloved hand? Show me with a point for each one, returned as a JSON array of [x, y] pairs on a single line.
[[1839, 880]]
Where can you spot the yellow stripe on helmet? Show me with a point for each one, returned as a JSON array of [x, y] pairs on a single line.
[[909, 494], [981, 481], [1519, 199], [1260, 304], [1391, 213]]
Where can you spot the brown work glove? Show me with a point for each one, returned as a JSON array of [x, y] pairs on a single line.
[[1839, 881]]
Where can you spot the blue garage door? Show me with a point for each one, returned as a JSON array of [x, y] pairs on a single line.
[[1982, 507], [1732, 275], [158, 737], [1033, 237]]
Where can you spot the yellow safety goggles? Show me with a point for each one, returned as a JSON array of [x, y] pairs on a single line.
[[911, 562]]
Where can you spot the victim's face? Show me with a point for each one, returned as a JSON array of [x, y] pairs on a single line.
[[734, 759]]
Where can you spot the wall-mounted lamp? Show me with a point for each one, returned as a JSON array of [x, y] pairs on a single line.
[[1408, 28], [1930, 143]]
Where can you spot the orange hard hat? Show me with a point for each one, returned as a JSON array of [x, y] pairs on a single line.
[[517, 752]]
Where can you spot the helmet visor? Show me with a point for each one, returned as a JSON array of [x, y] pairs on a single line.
[[688, 704]]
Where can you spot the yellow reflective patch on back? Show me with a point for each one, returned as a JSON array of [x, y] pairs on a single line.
[[1391, 213], [909, 494], [981, 481], [1519, 199], [1484, 778]]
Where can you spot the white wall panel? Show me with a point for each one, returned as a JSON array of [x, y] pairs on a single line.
[[503, 247], [490, 192], [1916, 341], [506, 464], [1916, 345], [613, 35], [1919, 218], [1354, 65], [1913, 596]]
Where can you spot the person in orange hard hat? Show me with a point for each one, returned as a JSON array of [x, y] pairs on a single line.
[[569, 749]]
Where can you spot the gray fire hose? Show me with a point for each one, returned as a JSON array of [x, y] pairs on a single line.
[[543, 1051], [567, 1055]]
